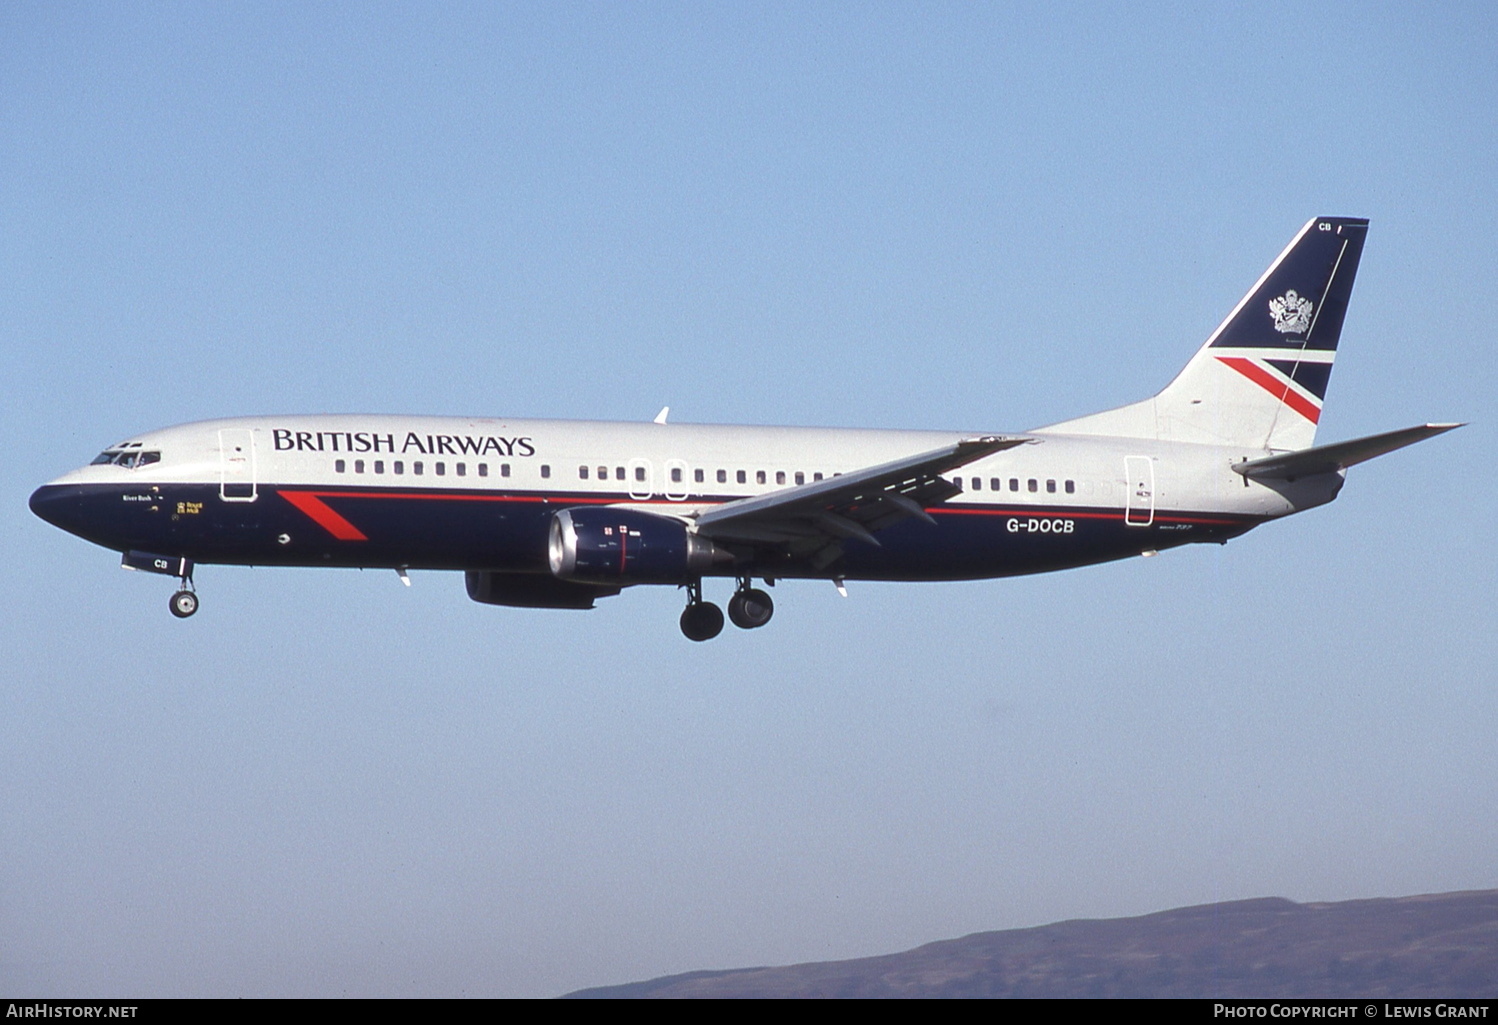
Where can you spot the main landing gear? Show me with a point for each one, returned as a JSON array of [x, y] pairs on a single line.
[[749, 608], [700, 620]]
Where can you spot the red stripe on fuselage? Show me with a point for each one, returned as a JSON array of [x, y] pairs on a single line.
[[1274, 386], [323, 515], [311, 503]]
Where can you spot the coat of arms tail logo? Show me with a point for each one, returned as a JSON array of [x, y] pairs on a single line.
[[1291, 312]]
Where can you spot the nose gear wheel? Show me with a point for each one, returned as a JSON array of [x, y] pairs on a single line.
[[183, 604]]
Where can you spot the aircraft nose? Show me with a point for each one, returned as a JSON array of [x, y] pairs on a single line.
[[58, 504]]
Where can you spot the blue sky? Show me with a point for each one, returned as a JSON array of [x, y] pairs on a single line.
[[934, 216]]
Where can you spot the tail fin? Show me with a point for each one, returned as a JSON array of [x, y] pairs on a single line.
[[1261, 377]]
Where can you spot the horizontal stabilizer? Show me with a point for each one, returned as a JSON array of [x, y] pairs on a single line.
[[1332, 458]]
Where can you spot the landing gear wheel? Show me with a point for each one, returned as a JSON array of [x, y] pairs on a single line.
[[702, 621], [750, 608], [184, 604]]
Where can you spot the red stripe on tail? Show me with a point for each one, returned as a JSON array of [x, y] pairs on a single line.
[[1279, 389]]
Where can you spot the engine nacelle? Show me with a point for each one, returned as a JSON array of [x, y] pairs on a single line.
[[604, 545], [532, 590]]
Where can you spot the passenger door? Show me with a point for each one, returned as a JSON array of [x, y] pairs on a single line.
[[236, 451], [1139, 491]]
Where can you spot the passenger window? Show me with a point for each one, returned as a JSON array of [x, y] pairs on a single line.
[[483, 469], [358, 466], [619, 473], [1071, 487], [977, 483], [995, 484], [399, 466], [504, 469], [639, 473], [779, 476], [582, 472], [697, 476], [379, 466], [743, 478], [759, 477], [462, 469], [1013, 483], [1050, 487], [603, 473], [800, 477], [816, 476], [545, 471], [416, 468], [441, 469], [676, 475], [722, 476], [1034, 485], [338, 465]]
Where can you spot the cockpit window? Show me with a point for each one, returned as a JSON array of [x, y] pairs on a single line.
[[129, 460]]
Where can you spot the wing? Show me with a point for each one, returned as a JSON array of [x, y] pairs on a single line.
[[812, 520]]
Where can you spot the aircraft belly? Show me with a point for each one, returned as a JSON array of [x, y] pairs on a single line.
[[977, 543], [310, 525]]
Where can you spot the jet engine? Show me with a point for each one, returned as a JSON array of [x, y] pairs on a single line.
[[619, 547]]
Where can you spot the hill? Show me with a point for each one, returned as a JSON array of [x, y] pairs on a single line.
[[1436, 945]]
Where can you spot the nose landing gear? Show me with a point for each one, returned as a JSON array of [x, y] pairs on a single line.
[[184, 603]]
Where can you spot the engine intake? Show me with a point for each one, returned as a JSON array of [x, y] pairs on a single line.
[[626, 546]]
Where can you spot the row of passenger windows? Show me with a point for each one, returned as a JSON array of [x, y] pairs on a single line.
[[698, 475], [417, 468], [1031, 485]]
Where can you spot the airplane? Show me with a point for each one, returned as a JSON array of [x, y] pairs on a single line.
[[557, 514]]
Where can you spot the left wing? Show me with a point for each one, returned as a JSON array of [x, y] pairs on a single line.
[[813, 519]]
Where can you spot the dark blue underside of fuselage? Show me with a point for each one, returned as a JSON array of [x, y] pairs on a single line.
[[487, 530]]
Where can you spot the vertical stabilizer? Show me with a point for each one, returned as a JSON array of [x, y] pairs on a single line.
[[1261, 378]]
